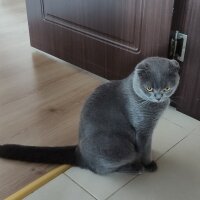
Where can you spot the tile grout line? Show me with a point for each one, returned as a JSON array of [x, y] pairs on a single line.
[[190, 132], [139, 175], [179, 124], [172, 147], [173, 122], [123, 186], [80, 186], [110, 194], [131, 178]]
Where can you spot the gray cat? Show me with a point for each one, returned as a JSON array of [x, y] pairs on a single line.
[[116, 123]]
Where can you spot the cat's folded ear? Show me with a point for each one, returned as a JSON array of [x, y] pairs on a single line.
[[142, 69], [174, 65], [142, 66]]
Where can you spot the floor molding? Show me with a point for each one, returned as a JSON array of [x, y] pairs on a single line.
[[28, 189]]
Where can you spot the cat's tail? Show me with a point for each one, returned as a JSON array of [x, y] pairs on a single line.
[[54, 155]]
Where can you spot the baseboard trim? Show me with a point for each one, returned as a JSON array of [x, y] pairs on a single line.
[[28, 189]]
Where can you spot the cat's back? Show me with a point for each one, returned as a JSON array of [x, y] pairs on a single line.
[[105, 96], [103, 108], [103, 113]]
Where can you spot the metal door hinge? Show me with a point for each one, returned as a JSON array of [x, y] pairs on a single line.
[[177, 46]]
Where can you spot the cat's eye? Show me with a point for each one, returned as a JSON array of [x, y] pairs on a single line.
[[149, 89], [166, 89]]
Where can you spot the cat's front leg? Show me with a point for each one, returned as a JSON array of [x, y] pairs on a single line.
[[144, 142]]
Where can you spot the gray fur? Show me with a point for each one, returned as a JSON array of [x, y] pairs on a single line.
[[118, 119], [117, 123]]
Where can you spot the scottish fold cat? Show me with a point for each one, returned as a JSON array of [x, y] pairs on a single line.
[[116, 123]]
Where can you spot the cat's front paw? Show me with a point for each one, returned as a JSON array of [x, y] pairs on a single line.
[[151, 167]]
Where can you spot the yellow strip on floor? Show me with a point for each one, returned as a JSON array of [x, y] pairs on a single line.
[[19, 195]]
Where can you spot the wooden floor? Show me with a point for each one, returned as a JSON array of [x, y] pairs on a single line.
[[40, 97]]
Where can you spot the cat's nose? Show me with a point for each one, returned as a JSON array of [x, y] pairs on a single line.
[[158, 96]]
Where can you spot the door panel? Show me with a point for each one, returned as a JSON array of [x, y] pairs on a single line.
[[104, 20], [107, 37], [186, 20]]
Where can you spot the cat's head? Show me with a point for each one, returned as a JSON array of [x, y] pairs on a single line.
[[155, 79]]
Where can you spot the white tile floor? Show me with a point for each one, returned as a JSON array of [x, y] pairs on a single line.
[[176, 147]]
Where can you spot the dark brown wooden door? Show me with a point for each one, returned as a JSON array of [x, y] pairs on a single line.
[[187, 20], [106, 37]]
